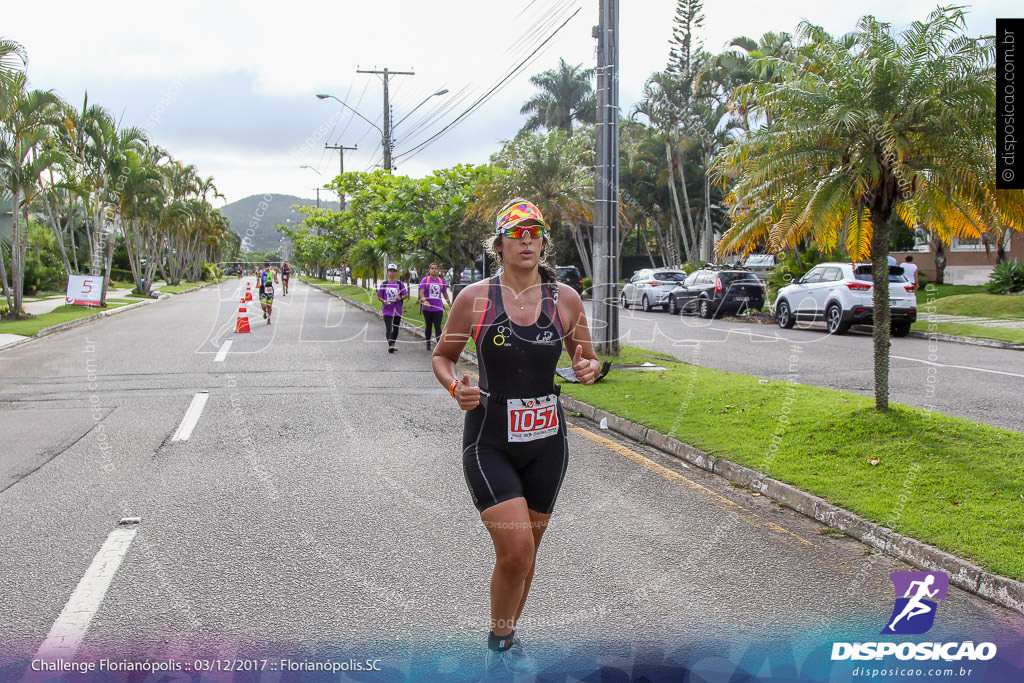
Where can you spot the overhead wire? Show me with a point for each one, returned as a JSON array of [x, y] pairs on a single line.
[[490, 93]]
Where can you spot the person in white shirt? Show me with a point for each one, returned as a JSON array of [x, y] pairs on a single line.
[[910, 270]]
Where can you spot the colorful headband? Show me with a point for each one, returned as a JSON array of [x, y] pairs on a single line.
[[516, 214]]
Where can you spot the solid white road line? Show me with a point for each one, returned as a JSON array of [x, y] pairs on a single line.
[[223, 352], [70, 627], [188, 423], [960, 367]]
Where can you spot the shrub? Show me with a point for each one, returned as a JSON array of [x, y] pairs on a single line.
[[1007, 276], [587, 283], [211, 272]]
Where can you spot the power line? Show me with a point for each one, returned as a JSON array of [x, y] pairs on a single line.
[[490, 93]]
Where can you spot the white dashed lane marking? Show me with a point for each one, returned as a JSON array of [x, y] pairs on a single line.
[[188, 423], [67, 632]]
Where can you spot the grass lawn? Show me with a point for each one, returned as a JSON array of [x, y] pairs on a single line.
[[962, 482], [976, 305], [59, 315], [933, 291]]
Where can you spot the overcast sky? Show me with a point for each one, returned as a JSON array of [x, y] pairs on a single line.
[[229, 87]]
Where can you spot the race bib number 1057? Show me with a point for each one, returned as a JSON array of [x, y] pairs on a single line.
[[532, 418]]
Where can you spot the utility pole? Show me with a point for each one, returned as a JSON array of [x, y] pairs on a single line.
[[341, 170], [387, 109], [606, 189]]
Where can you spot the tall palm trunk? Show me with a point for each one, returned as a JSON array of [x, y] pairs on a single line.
[[675, 203], [57, 232], [17, 257], [880, 304], [3, 280]]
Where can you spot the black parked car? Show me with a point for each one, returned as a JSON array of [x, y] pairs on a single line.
[[570, 275], [714, 291]]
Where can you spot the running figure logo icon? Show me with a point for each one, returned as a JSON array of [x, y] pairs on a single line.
[[916, 595]]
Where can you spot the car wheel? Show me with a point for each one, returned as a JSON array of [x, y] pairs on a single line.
[[704, 308], [900, 329], [834, 320], [783, 316], [673, 305], [624, 302], [645, 304]]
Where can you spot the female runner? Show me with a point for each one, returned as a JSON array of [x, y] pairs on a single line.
[[514, 445]]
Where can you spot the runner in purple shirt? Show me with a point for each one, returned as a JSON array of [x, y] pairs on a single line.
[[433, 294], [391, 293]]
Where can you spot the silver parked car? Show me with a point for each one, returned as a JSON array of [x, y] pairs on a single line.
[[650, 287]]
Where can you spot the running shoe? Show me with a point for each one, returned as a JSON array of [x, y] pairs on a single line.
[[520, 661], [391, 349]]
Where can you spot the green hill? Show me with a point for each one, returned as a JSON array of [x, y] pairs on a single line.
[[255, 217]]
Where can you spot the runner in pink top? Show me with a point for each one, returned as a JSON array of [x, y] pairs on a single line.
[[433, 294], [391, 293]]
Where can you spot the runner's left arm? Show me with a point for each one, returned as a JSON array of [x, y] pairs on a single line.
[[585, 362]]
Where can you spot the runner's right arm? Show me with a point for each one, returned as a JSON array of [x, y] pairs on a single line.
[[457, 332]]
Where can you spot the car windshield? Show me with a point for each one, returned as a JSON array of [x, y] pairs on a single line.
[[741, 276], [670, 276], [863, 272]]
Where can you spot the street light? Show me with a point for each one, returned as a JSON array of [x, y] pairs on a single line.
[[324, 96], [436, 94], [386, 132], [317, 189]]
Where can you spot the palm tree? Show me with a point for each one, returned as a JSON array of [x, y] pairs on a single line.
[[864, 127], [566, 96], [26, 117], [555, 172]]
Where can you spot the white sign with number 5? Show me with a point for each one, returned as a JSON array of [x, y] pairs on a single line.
[[85, 290]]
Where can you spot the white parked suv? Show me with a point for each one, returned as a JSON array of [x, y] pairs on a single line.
[[650, 287], [840, 294]]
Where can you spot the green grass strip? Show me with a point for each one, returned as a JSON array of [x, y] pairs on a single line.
[[1009, 306], [947, 481], [61, 314], [1007, 334]]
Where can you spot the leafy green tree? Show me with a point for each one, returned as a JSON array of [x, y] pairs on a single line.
[[555, 171], [863, 128]]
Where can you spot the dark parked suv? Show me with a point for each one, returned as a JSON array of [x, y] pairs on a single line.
[[570, 275], [714, 291]]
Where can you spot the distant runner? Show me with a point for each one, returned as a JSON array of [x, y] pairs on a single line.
[[286, 272], [267, 279], [433, 294], [514, 447], [391, 293]]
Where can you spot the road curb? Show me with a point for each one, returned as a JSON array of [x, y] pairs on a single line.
[[971, 578], [974, 341], [85, 320]]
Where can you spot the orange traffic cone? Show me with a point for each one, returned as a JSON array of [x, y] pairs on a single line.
[[248, 293], [242, 324]]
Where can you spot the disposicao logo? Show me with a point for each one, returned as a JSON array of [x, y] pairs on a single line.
[[914, 612], [917, 594]]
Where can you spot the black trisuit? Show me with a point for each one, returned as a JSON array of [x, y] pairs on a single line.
[[516, 362]]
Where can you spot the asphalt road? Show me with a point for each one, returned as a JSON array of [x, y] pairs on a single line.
[[975, 382], [318, 511]]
